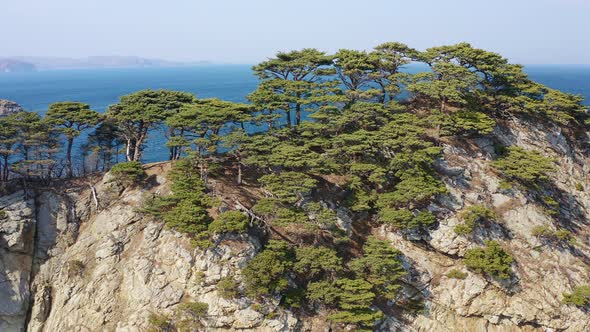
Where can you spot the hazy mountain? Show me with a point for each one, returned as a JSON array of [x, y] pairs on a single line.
[[12, 65], [52, 63]]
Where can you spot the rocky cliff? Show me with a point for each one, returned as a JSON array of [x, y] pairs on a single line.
[[85, 259], [9, 107], [17, 245], [532, 300]]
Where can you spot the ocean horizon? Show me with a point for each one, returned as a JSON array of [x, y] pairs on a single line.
[[35, 91]]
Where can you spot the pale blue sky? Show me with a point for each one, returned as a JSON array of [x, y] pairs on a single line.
[[247, 31]]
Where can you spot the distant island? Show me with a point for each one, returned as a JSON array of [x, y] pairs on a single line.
[[12, 65], [30, 63]]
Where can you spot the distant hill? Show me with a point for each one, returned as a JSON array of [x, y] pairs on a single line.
[[29, 63], [12, 65]]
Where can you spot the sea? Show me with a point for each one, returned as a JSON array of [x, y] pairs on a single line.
[[102, 87]]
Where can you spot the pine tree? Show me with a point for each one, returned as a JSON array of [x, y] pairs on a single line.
[[71, 118]]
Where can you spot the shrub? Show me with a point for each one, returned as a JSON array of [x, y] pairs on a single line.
[[128, 173], [227, 287], [471, 216], [293, 298], [288, 187], [323, 217], [565, 236], [400, 218], [579, 297], [230, 222], [562, 235], [464, 229], [274, 212], [579, 186], [3, 214], [215, 170], [266, 207], [552, 205], [313, 261], [186, 178], [456, 274], [271, 315], [188, 316], [405, 219], [374, 277], [526, 167], [415, 188], [540, 231], [381, 265], [491, 260], [154, 204], [187, 217], [424, 219], [550, 201], [499, 149], [160, 323], [323, 291], [355, 298], [505, 185], [185, 210], [194, 310], [469, 122], [266, 273], [284, 216], [360, 200]]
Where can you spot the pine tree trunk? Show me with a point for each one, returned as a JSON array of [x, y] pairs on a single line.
[[137, 151], [27, 167], [288, 113], [138, 143], [172, 148], [239, 172], [128, 152], [383, 96], [70, 172]]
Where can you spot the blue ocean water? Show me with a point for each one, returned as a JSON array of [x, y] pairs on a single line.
[[101, 88], [568, 78]]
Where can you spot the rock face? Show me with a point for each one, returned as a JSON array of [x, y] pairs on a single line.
[[8, 107], [70, 262], [17, 233], [118, 267], [532, 300]]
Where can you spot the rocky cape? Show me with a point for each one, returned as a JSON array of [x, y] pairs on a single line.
[[9, 107], [81, 257]]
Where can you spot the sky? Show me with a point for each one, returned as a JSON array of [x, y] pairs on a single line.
[[248, 31]]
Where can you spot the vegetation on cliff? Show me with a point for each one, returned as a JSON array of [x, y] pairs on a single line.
[[351, 129]]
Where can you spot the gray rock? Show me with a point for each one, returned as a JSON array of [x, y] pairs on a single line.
[[133, 267], [17, 232], [9, 107]]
